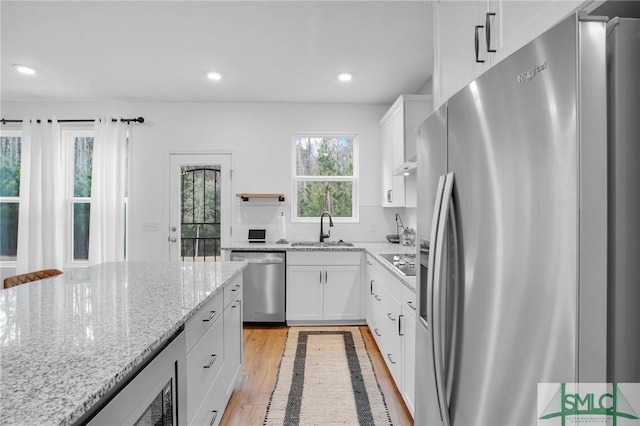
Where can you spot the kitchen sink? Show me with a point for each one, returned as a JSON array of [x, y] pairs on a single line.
[[319, 244]]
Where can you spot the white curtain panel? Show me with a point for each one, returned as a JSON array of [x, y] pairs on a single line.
[[107, 217], [41, 214]]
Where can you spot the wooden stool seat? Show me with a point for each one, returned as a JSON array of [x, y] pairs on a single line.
[[30, 276]]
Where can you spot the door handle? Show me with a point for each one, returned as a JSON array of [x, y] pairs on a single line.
[[400, 333], [477, 44], [389, 195], [488, 31], [439, 309]]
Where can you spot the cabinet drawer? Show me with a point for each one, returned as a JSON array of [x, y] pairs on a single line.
[[324, 258], [391, 283], [203, 365], [198, 325], [210, 411], [232, 290]]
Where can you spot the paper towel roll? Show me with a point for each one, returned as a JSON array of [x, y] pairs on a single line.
[[283, 232]]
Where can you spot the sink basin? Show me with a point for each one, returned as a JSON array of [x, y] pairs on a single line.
[[319, 244]]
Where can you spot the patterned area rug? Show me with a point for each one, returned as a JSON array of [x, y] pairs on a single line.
[[326, 378]]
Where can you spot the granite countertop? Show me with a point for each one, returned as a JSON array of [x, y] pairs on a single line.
[[374, 249], [66, 341]]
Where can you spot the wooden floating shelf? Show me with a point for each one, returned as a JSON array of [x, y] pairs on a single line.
[[245, 196]]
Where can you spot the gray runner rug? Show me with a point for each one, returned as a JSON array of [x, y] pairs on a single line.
[[326, 378]]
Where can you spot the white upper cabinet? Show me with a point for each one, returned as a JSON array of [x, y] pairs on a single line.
[[399, 138], [470, 36]]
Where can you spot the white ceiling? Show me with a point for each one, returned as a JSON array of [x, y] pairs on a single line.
[[267, 51]]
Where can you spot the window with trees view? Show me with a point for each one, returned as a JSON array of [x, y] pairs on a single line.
[[80, 145], [10, 151], [325, 177]]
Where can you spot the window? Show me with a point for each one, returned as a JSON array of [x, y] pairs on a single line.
[[79, 167], [10, 152], [81, 146], [325, 177]]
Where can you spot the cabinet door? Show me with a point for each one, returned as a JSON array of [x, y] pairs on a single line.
[[342, 293], [408, 328], [232, 343], [454, 48], [304, 293], [393, 157]]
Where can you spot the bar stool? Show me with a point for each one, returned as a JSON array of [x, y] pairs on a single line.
[[30, 276]]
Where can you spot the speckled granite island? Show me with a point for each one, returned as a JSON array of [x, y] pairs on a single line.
[[67, 341]]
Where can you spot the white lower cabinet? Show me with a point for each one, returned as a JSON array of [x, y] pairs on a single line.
[[214, 355], [323, 287], [393, 326]]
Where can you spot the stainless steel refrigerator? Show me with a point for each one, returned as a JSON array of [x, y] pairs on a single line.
[[528, 207]]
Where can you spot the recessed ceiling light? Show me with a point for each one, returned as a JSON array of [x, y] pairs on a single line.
[[215, 76], [345, 76], [24, 69]]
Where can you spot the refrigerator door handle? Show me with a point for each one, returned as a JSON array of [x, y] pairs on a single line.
[[439, 323]]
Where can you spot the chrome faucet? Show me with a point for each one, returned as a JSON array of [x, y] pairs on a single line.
[[322, 234]]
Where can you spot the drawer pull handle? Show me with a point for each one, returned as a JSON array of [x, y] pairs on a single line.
[[235, 305], [236, 288], [376, 331], [211, 361], [377, 297], [410, 303], [211, 316], [390, 317], [390, 359], [213, 419]]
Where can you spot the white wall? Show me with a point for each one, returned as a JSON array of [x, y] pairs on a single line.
[[258, 134]]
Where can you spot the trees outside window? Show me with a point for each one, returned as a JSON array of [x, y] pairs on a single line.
[[325, 177], [10, 153]]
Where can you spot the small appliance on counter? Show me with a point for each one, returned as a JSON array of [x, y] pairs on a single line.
[[257, 235]]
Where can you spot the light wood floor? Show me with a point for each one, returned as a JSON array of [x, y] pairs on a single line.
[[263, 347]]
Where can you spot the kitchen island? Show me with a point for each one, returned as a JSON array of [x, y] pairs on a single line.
[[69, 340]]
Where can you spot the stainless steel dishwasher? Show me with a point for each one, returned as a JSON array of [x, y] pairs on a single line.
[[264, 286]]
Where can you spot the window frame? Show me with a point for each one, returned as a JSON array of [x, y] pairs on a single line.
[[354, 179], [14, 199]]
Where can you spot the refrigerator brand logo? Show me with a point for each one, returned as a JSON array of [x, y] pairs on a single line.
[[593, 403], [529, 74]]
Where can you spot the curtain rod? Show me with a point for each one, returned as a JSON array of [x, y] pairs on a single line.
[[125, 120]]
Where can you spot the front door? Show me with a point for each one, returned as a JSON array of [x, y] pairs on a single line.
[[200, 206]]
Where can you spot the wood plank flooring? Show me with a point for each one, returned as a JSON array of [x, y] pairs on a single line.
[[263, 347]]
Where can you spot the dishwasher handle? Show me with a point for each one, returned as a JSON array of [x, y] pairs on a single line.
[[260, 261]]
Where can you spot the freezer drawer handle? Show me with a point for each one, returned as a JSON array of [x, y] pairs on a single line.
[[477, 44], [390, 317], [211, 316], [211, 361], [390, 359]]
